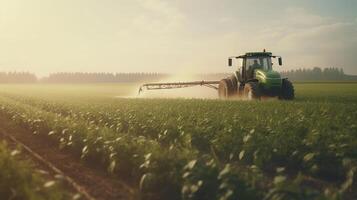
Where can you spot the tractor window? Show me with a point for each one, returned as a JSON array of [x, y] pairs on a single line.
[[258, 63]]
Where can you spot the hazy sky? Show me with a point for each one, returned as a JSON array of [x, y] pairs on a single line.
[[46, 36]]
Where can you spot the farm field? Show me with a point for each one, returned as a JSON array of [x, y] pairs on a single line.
[[199, 148]]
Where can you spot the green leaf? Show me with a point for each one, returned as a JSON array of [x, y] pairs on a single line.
[[49, 184], [279, 179], [308, 157], [190, 165], [241, 155]]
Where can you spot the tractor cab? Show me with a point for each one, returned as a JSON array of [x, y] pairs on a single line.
[[252, 62]]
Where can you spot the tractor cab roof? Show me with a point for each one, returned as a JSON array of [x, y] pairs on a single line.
[[256, 54]]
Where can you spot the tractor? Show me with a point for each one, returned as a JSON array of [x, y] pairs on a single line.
[[254, 79]]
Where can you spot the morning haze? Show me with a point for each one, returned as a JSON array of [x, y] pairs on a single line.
[[173, 36]]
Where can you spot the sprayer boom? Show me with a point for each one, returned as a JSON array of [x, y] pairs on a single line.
[[174, 85]]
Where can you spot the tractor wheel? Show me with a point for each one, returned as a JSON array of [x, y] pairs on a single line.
[[287, 90], [234, 82], [252, 91], [225, 89]]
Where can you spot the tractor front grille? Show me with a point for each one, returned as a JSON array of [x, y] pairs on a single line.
[[273, 83]]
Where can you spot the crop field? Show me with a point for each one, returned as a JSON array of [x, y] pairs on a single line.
[[200, 148]]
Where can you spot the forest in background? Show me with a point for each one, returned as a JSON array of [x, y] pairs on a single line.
[[314, 74], [318, 74]]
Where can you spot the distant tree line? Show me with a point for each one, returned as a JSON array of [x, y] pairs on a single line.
[[17, 77], [318, 74], [314, 74]]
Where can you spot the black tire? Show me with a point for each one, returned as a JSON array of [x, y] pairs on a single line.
[[225, 89], [234, 82], [287, 90], [252, 91]]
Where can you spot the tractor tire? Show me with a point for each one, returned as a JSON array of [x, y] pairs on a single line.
[[252, 91], [234, 81], [287, 90], [225, 89]]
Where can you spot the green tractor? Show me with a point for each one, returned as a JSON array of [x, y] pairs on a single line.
[[255, 78]]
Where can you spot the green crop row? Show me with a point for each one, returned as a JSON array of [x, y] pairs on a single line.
[[18, 180]]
